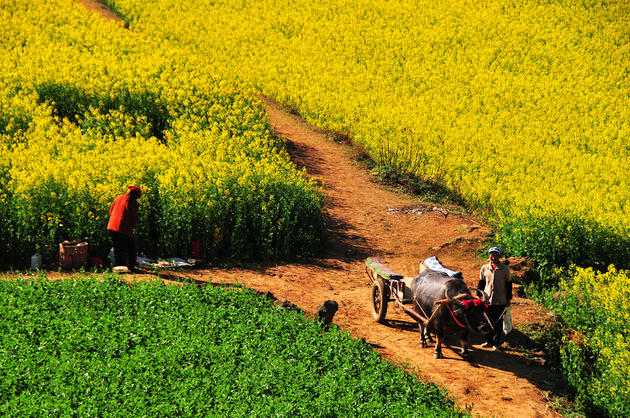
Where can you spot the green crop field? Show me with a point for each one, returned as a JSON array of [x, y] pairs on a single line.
[[97, 346]]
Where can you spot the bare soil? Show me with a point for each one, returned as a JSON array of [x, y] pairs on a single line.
[[97, 6], [365, 219]]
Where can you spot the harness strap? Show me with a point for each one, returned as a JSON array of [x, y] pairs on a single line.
[[427, 317], [448, 305], [420, 306], [434, 312]]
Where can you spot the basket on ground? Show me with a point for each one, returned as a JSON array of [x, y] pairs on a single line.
[[73, 255]]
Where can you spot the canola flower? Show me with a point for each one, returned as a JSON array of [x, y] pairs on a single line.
[[599, 305], [89, 108], [520, 107]]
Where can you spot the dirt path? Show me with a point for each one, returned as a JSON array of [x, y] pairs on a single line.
[[97, 6], [366, 220]]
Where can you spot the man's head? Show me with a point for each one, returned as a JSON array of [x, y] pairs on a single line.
[[135, 192], [494, 254]]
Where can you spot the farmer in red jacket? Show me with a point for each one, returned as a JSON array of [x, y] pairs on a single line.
[[123, 217]]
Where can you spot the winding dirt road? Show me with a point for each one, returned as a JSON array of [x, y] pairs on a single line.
[[368, 220]]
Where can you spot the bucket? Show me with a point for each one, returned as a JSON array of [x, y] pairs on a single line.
[[73, 255], [36, 261]]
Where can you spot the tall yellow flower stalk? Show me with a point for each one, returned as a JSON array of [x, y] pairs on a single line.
[[520, 107], [89, 108]]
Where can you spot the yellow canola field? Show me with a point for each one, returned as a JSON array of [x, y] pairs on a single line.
[[88, 108], [521, 107], [598, 363]]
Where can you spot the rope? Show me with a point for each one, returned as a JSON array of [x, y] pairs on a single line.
[[488, 319], [427, 317], [420, 306], [501, 316], [434, 312], [448, 305]]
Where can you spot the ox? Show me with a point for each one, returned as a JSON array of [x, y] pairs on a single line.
[[448, 306]]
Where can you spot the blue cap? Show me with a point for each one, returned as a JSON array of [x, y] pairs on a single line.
[[495, 250]]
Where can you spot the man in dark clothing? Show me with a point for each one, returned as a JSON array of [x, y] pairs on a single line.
[[495, 281], [123, 217]]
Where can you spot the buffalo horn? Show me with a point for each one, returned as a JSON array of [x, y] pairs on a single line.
[[483, 294], [461, 295]]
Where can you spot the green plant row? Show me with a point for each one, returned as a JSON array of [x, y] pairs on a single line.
[[520, 107], [595, 355], [95, 345], [88, 108]]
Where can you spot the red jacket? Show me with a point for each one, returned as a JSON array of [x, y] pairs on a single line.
[[123, 215]]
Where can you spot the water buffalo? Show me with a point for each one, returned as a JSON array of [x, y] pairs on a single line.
[[449, 306]]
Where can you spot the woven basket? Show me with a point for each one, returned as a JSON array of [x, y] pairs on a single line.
[[73, 255]]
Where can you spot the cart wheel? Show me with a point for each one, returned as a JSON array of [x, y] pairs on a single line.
[[380, 299]]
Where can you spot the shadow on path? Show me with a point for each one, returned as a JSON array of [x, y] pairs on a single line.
[[505, 359]]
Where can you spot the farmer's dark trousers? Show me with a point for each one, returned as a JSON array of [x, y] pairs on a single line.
[[124, 249], [495, 336]]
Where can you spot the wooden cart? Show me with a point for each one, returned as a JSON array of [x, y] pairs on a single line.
[[388, 286]]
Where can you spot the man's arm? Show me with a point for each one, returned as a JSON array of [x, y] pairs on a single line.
[[482, 280], [508, 286]]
